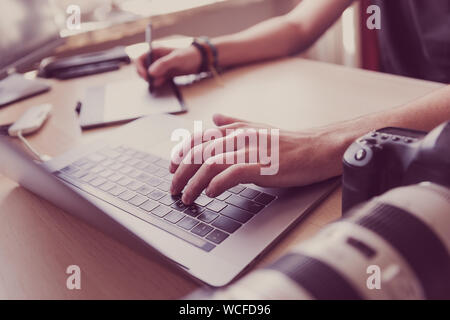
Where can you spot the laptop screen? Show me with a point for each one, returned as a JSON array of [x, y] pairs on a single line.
[[26, 26]]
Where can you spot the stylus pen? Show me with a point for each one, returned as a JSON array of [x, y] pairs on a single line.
[[149, 60]]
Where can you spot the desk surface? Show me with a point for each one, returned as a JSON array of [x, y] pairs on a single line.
[[38, 241]]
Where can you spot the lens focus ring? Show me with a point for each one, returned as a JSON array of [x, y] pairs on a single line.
[[416, 242], [316, 277]]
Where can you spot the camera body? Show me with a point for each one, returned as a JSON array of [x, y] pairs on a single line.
[[392, 157]]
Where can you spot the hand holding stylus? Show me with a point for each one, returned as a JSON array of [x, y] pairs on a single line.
[[162, 63]]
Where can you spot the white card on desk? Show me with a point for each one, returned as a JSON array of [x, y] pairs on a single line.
[[127, 100]]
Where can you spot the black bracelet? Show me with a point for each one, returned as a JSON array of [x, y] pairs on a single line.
[[214, 52], [204, 64]]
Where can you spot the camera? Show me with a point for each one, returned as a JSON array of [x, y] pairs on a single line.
[[392, 157]]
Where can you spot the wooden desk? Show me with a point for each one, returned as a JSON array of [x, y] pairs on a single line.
[[38, 241]]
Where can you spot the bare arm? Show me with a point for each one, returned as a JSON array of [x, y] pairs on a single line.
[[424, 114], [306, 156], [282, 35], [272, 38]]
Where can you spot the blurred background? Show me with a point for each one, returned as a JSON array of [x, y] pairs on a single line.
[[107, 23]]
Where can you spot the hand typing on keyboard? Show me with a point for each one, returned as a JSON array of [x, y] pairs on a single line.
[[304, 157]]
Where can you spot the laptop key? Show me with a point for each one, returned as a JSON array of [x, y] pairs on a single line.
[[151, 169], [134, 173], [144, 189], [179, 205], [174, 216], [81, 162], [217, 236], [177, 196], [124, 181], [203, 200], [116, 190], [156, 194], [97, 181], [149, 205], [87, 166], [236, 214], [116, 166], [216, 205], [201, 229], [226, 224], [89, 177], [138, 200], [79, 173], [194, 210], [249, 193], [124, 158], [223, 196], [164, 186], [161, 173], [245, 204], [107, 185], [151, 158], [97, 169], [133, 162], [106, 173], [107, 162], [141, 164], [161, 211], [115, 177], [163, 163], [153, 181], [167, 200], [143, 177], [134, 185], [265, 198], [70, 169], [187, 223], [127, 195], [236, 189], [207, 216], [126, 169]]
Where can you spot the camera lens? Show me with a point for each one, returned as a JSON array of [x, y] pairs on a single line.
[[395, 246]]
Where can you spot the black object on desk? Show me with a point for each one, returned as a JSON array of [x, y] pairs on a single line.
[[4, 129], [84, 64]]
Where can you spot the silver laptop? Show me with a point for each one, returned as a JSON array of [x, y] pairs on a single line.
[[120, 184]]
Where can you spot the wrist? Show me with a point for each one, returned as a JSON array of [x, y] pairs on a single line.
[[195, 57], [331, 142]]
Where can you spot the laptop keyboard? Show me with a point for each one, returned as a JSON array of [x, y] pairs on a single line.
[[139, 183]]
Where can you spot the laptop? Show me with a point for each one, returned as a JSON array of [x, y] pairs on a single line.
[[120, 184]]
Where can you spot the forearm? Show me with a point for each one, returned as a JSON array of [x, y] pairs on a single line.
[[423, 114], [280, 36]]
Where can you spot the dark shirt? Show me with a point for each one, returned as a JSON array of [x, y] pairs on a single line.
[[414, 38]]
